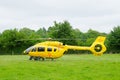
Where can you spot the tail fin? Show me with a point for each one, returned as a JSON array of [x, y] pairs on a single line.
[[98, 47]]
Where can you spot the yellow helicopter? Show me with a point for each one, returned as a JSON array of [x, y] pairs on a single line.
[[55, 49]]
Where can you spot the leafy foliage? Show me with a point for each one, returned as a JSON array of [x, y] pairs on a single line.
[[62, 31], [114, 40], [9, 39]]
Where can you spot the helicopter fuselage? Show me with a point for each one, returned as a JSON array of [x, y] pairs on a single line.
[[55, 49]]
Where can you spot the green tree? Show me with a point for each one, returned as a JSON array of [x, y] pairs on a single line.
[[8, 40], [113, 41], [29, 37], [79, 36], [42, 33], [91, 35], [27, 33], [62, 31]]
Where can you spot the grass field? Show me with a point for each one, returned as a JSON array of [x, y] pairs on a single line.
[[68, 67]]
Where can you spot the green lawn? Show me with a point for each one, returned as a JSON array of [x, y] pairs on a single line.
[[68, 67]]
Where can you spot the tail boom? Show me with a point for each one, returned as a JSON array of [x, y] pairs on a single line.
[[97, 48]]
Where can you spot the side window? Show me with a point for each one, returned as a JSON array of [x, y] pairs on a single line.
[[33, 50], [55, 49], [49, 49], [41, 49]]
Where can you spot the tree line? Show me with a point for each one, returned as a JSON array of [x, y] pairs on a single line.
[[14, 41]]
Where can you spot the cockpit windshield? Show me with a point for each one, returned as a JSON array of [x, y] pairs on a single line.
[[29, 49]]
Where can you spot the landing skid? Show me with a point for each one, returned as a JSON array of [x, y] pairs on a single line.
[[38, 58]]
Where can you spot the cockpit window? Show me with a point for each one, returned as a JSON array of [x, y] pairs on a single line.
[[55, 49], [33, 50], [49, 49], [41, 49], [29, 49]]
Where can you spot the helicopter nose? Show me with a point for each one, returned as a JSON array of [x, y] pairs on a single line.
[[25, 52]]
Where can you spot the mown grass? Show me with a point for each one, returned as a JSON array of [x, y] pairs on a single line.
[[68, 67]]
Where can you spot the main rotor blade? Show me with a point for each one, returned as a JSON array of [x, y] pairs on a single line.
[[49, 39], [32, 39]]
